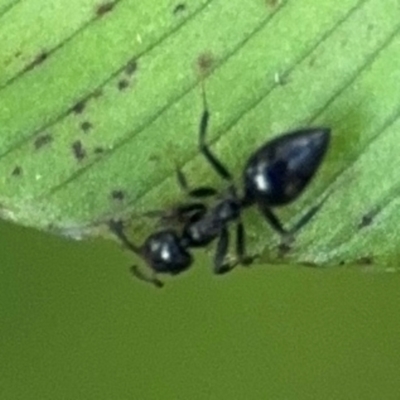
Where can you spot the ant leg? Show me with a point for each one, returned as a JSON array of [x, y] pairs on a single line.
[[154, 214], [181, 214], [188, 213], [222, 248], [149, 279], [288, 235], [217, 165], [200, 192], [274, 221], [193, 209], [117, 228], [241, 245], [306, 218], [180, 211]]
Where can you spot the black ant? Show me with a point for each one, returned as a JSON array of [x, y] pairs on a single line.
[[274, 175]]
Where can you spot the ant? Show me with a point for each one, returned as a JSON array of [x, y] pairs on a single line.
[[274, 175]]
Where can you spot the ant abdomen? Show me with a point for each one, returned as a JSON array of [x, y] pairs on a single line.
[[278, 172]]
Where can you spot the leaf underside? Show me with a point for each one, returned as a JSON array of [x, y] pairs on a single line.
[[99, 108]]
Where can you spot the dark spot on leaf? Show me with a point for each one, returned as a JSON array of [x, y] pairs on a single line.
[[99, 150], [78, 150], [123, 84], [79, 107], [281, 79], [367, 219], [42, 140], [98, 93], [131, 67], [86, 126], [205, 62], [367, 260], [17, 171], [118, 195], [104, 8], [312, 61], [179, 8], [18, 54], [154, 158], [39, 59], [272, 3]]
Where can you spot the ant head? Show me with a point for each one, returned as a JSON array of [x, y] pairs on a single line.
[[279, 171], [165, 253]]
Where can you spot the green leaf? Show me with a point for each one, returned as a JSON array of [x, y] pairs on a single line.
[[97, 109]]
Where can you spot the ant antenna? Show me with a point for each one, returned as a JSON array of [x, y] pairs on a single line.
[[305, 219]]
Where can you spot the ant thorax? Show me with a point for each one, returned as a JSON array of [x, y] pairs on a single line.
[[207, 228]]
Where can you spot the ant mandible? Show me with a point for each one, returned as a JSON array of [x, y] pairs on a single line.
[[274, 175]]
